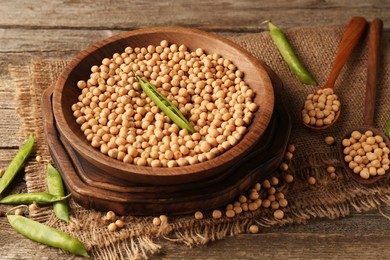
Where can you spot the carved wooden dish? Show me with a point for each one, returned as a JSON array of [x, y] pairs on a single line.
[[66, 93], [93, 187]]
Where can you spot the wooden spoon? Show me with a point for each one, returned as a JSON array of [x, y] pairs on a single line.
[[351, 36], [373, 63]]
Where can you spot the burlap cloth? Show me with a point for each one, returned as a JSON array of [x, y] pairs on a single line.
[[327, 199]]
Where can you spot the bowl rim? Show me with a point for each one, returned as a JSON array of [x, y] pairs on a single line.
[[93, 154]]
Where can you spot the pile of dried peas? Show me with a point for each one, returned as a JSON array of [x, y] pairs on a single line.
[[320, 108], [120, 120], [366, 154]]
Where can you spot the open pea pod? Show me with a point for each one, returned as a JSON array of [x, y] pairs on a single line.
[[388, 128], [165, 105]]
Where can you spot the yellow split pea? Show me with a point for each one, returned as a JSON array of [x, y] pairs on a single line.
[[120, 120]]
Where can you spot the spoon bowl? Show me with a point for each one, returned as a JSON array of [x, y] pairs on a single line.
[[373, 62], [354, 176], [351, 36]]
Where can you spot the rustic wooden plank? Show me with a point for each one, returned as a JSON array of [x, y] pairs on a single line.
[[229, 15], [297, 244], [286, 246]]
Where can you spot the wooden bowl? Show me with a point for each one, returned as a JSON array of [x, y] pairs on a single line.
[[66, 93]]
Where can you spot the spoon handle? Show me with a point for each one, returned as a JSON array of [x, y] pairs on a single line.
[[374, 41], [351, 36]]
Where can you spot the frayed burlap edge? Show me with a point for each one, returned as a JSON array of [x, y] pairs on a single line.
[[136, 239]]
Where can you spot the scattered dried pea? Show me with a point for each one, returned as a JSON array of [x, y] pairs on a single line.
[[329, 140], [237, 209], [156, 221], [288, 156], [278, 214], [283, 166], [198, 215], [38, 158], [311, 180], [254, 229], [119, 223], [291, 148], [230, 213], [112, 227], [288, 178], [333, 175], [217, 214], [283, 202], [19, 212], [330, 169], [33, 207], [164, 219], [110, 215]]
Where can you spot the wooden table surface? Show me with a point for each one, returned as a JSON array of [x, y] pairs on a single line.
[[62, 28]]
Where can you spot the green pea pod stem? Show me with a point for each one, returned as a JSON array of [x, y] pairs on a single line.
[[28, 198], [289, 56], [17, 163], [46, 235], [388, 128], [56, 187], [165, 105]]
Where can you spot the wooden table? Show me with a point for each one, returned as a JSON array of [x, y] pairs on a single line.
[[60, 29]]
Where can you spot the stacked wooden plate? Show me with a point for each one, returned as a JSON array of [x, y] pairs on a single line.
[[99, 182]]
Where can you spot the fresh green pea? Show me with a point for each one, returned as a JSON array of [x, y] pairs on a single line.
[[17, 163], [388, 128], [46, 235], [289, 55], [165, 105], [56, 187], [28, 198]]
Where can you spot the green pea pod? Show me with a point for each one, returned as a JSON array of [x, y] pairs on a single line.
[[289, 55], [28, 198], [17, 163], [388, 128], [46, 235], [56, 187], [165, 105]]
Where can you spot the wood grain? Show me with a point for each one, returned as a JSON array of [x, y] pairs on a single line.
[[228, 15], [60, 29]]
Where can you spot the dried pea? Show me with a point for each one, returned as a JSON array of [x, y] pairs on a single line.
[[46, 235], [17, 163], [254, 229]]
